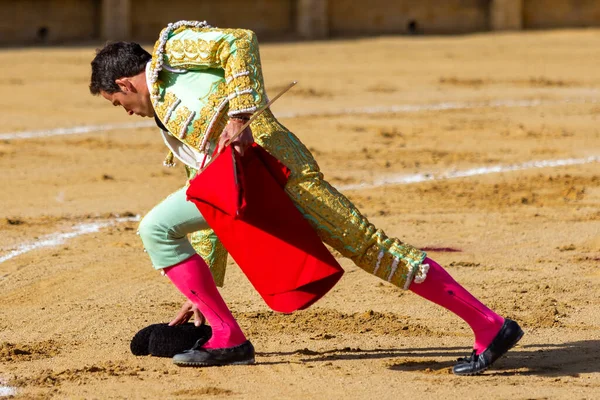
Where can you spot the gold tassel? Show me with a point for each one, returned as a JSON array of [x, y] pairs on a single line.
[[169, 162]]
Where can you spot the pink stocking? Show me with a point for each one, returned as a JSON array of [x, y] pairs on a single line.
[[440, 288], [193, 278]]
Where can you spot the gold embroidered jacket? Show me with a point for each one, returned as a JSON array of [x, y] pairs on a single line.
[[197, 77], [201, 75]]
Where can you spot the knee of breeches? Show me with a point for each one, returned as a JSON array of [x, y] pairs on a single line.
[[153, 231], [148, 230]]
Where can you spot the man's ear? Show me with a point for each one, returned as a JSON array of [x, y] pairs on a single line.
[[125, 85]]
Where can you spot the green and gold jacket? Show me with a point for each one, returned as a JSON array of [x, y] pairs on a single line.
[[198, 77]]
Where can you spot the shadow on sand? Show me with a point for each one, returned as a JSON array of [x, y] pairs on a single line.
[[565, 359]]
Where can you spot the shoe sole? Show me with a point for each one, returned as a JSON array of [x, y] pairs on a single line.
[[202, 364], [519, 336]]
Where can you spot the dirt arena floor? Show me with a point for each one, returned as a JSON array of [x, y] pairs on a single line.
[[373, 111]]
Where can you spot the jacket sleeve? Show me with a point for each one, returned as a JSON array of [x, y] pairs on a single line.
[[235, 51]]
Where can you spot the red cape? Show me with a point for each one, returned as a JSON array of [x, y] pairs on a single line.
[[243, 200]]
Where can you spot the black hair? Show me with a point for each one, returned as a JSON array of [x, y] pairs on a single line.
[[114, 61]]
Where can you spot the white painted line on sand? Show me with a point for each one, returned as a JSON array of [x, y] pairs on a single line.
[[410, 108], [425, 177], [404, 108], [75, 130], [82, 229], [56, 239], [6, 391]]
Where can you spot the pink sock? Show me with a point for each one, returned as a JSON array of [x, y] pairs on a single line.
[[440, 288], [193, 278]]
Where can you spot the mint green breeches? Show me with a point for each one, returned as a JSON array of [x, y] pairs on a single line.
[[165, 228]]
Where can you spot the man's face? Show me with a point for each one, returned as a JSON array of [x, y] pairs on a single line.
[[132, 100]]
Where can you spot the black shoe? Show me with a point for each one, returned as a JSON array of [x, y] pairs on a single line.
[[201, 357], [509, 335]]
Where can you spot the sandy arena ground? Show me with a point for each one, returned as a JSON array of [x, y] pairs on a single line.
[[527, 241]]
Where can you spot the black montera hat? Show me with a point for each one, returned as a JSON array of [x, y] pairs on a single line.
[[162, 340]]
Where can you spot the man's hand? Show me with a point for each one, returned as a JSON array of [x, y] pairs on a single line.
[[240, 143], [187, 310]]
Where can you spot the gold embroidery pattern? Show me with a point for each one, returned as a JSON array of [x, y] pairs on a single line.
[[220, 49], [162, 107], [242, 82], [215, 131], [218, 266], [246, 58], [211, 250], [194, 137], [193, 53], [176, 122], [243, 103], [202, 244]]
